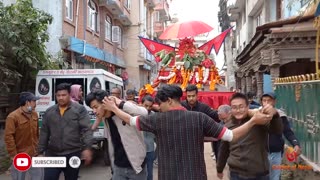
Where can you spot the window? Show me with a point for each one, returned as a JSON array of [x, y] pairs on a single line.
[[108, 27], [245, 15], [156, 16], [69, 9], [127, 4], [92, 15], [115, 34], [258, 20], [120, 38]]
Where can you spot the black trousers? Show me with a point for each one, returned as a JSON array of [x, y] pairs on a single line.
[[69, 172], [215, 148]]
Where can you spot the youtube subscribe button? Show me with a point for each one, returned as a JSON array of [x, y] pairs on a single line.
[[22, 162], [49, 162]]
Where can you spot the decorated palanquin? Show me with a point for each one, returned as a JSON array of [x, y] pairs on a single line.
[[186, 65]]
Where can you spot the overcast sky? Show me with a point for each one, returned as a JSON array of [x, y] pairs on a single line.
[[202, 10]]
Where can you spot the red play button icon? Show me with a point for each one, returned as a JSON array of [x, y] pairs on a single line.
[[22, 162]]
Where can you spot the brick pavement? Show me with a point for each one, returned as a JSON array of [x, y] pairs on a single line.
[[99, 171], [210, 164]]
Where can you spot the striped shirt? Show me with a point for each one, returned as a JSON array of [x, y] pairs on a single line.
[[180, 136]]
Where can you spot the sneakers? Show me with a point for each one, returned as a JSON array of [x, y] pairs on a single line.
[[214, 157], [212, 154], [155, 162]]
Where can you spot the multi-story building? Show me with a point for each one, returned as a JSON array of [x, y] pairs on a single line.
[[94, 33], [161, 17], [104, 34], [270, 37], [272, 40], [90, 33], [150, 21], [230, 65]]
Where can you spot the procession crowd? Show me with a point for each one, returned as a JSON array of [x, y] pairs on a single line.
[[246, 136]]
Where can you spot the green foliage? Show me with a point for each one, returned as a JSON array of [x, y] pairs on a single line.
[[5, 161], [195, 60], [23, 34]]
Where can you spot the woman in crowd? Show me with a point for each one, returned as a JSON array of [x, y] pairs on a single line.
[[76, 93]]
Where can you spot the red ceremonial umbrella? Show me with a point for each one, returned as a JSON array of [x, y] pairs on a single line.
[[185, 29]]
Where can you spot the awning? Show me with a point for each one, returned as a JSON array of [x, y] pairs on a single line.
[[81, 47]]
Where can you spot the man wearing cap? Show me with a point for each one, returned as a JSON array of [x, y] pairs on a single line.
[[276, 142], [252, 103], [22, 134]]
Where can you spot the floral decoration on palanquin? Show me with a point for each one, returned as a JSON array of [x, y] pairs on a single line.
[[186, 65]]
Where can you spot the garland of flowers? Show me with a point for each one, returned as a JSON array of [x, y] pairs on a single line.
[[186, 65]]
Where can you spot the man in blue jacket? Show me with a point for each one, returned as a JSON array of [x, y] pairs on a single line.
[[276, 142]]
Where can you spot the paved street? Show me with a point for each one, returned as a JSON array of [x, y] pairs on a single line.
[[98, 171]]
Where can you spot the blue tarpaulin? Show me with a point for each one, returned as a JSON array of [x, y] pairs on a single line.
[[81, 47]]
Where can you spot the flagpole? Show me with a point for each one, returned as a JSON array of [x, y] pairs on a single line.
[[317, 54], [317, 25]]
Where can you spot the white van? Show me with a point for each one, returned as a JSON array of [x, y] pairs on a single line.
[[89, 79]]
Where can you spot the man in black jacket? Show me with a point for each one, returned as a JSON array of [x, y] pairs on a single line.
[[276, 142], [65, 132], [192, 104]]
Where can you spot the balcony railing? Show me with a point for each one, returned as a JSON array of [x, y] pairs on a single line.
[[158, 27], [114, 6], [163, 8], [124, 19], [151, 3]]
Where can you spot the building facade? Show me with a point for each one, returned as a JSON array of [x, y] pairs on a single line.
[[93, 33], [228, 50], [104, 34], [149, 21], [272, 38]]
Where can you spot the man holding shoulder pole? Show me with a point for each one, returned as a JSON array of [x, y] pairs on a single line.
[[247, 158], [180, 133], [126, 145]]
